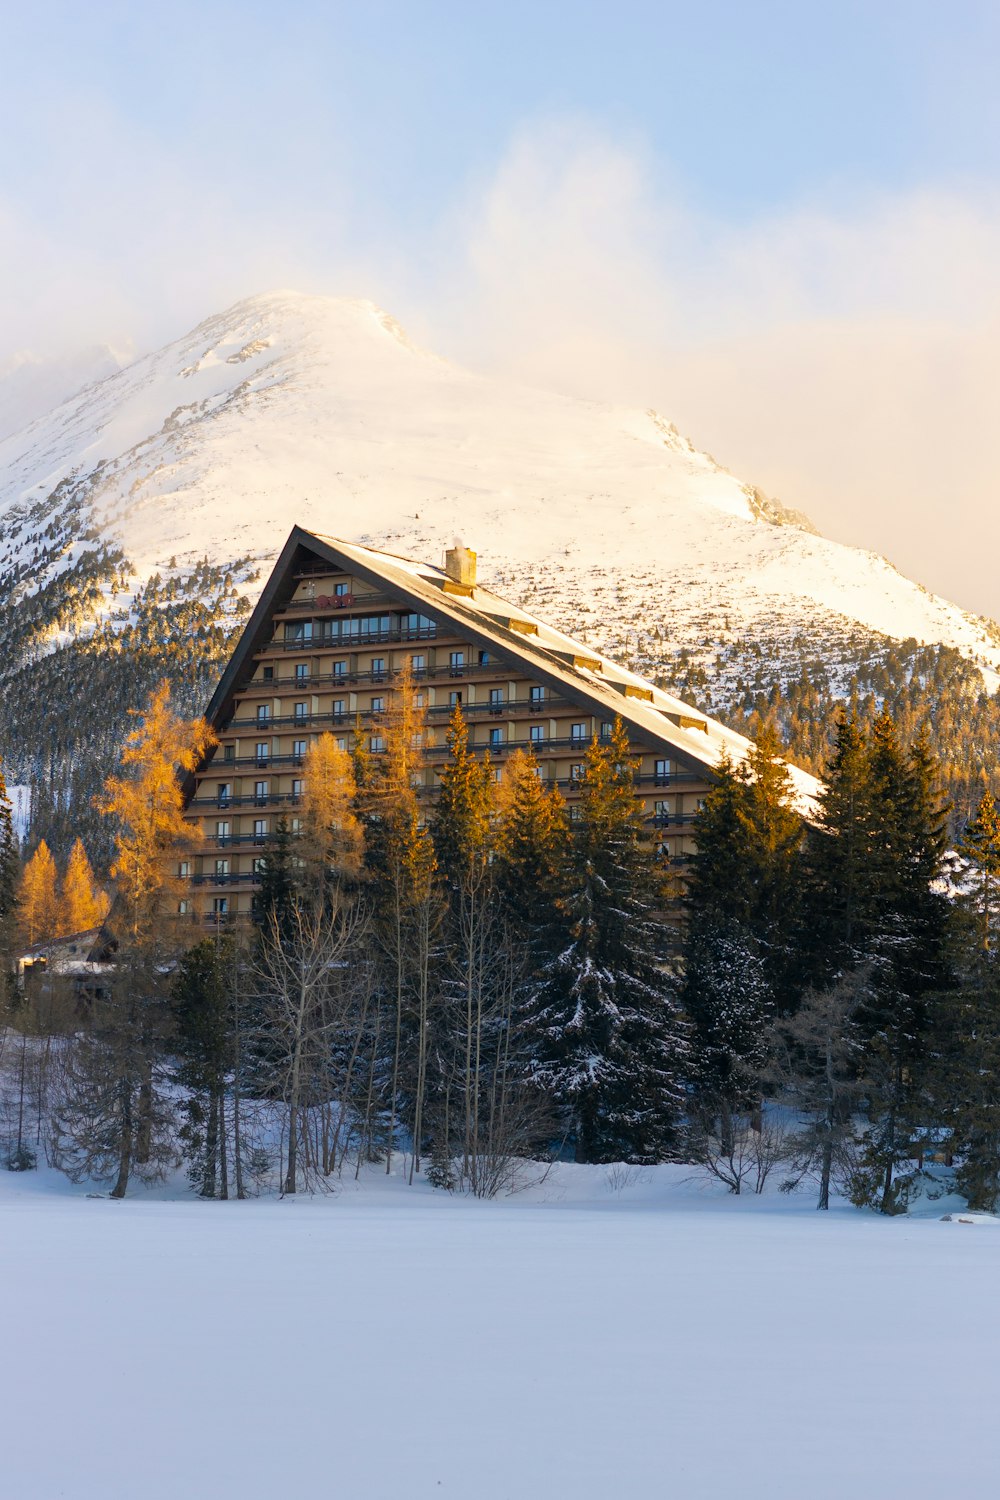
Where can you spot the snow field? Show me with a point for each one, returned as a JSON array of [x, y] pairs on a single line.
[[385, 1343]]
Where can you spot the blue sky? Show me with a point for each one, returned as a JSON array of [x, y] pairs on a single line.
[[778, 222]]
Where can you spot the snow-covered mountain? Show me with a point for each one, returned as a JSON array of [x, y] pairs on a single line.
[[30, 385], [293, 408]]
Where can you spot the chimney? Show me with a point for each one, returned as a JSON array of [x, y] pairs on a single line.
[[460, 570]]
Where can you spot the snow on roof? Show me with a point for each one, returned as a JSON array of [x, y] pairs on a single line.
[[649, 709]]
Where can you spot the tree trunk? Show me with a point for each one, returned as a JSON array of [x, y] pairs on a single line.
[[125, 1144]]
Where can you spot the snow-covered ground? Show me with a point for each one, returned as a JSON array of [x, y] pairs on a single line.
[[389, 1343]]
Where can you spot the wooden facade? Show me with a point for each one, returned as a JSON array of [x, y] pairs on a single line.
[[335, 623]]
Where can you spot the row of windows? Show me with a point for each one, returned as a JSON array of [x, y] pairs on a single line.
[[357, 625]]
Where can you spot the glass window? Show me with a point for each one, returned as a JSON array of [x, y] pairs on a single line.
[[260, 789], [378, 705], [536, 696], [418, 663], [376, 743], [340, 669], [183, 907], [661, 811], [296, 789], [259, 865], [496, 697], [576, 772], [537, 732], [268, 674], [607, 729], [225, 794], [299, 630], [184, 869], [229, 752], [301, 671], [484, 658], [221, 830], [262, 752], [302, 710], [456, 660], [299, 749], [418, 625], [580, 731], [339, 707], [260, 828], [378, 667], [220, 906], [496, 738], [454, 700], [662, 772], [339, 589], [221, 869], [263, 712]]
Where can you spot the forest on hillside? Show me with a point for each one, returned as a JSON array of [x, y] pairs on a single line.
[[500, 982]]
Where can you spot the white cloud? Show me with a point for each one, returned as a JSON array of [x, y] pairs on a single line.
[[841, 355]]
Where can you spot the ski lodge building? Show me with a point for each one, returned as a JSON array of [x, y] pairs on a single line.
[[335, 623]]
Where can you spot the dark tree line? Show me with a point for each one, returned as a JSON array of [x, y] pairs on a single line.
[[465, 983]]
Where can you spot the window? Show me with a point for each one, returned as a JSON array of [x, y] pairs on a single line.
[[498, 774], [222, 869], [260, 789], [367, 625], [484, 658], [661, 811], [342, 742], [540, 772], [259, 865], [301, 671], [268, 674], [579, 732], [456, 662], [662, 773], [222, 831], [262, 752], [496, 739], [340, 669], [454, 700], [378, 705], [260, 829], [378, 668], [339, 708], [537, 733], [299, 630], [536, 697], [183, 908], [418, 625], [296, 789], [302, 710], [418, 664], [575, 812], [220, 907], [229, 752], [295, 826], [339, 590], [576, 772], [299, 749], [225, 793], [607, 729], [184, 869], [263, 712], [496, 698], [376, 744]]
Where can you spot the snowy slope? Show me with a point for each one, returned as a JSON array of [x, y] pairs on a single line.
[[316, 410]]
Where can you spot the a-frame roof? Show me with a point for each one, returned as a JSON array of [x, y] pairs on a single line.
[[599, 686]]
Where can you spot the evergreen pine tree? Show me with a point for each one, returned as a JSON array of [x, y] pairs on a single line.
[[604, 1027], [980, 846]]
